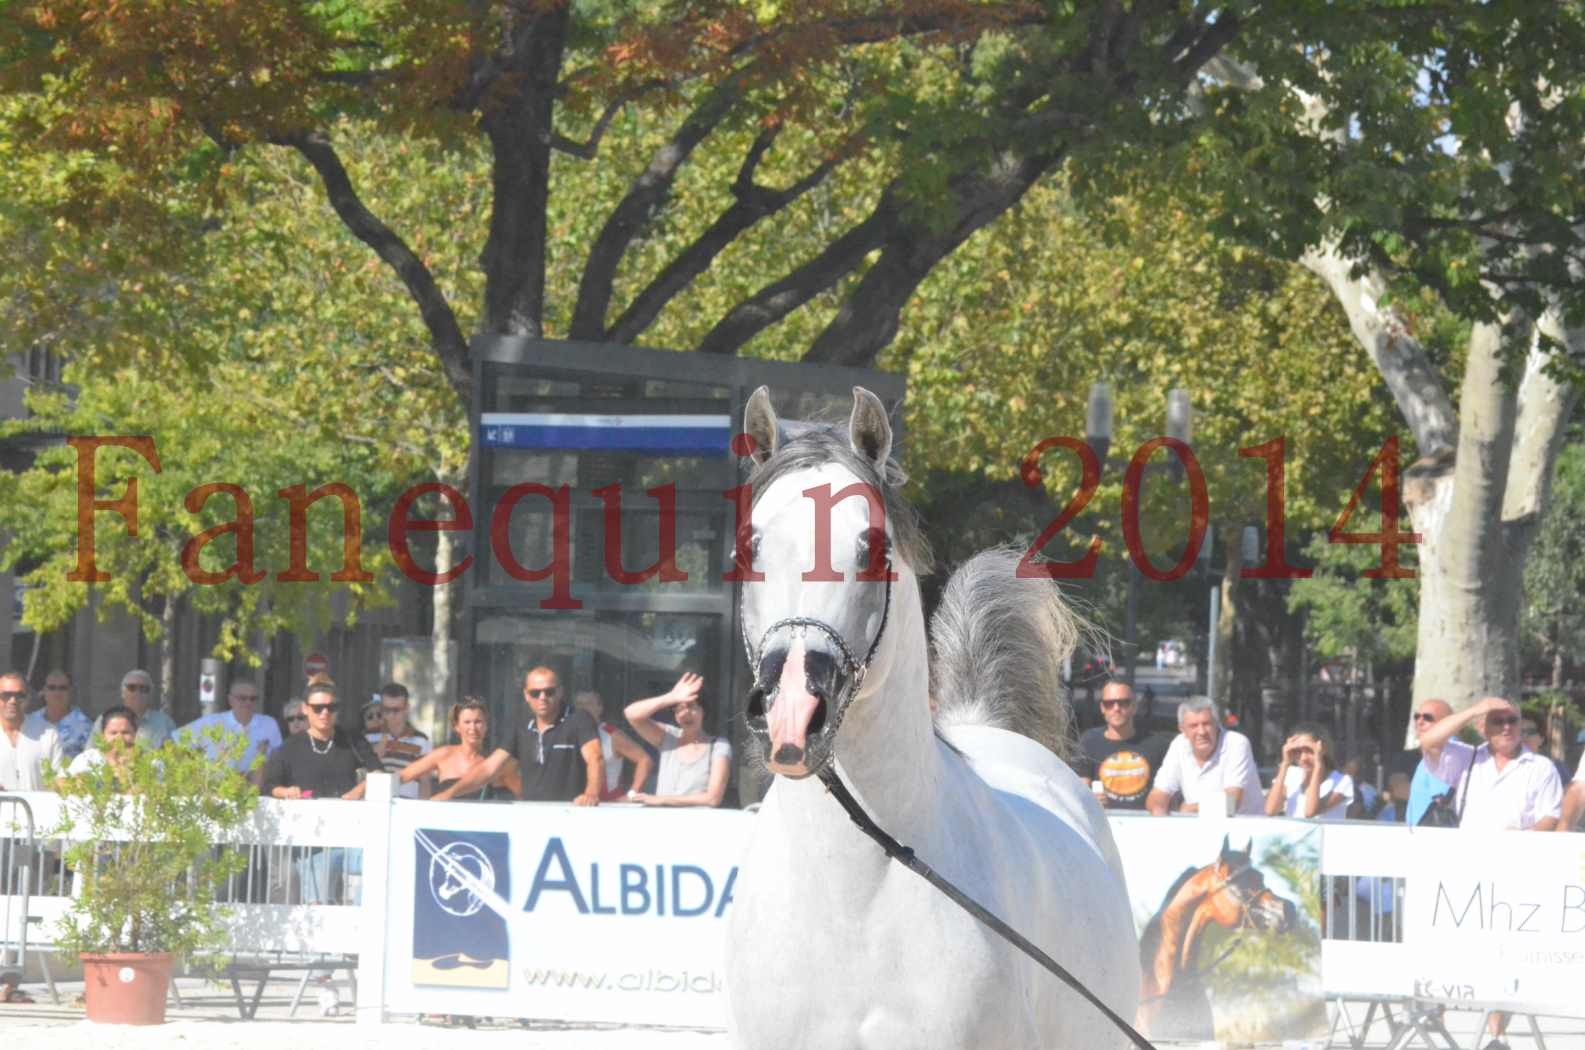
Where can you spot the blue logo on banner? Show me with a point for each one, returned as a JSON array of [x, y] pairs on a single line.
[[459, 933]]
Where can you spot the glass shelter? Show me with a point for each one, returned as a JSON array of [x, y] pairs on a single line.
[[604, 516]]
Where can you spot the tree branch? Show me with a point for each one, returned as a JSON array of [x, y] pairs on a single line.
[[644, 197], [780, 298], [752, 204], [1545, 406], [867, 322], [1399, 357], [589, 147], [444, 333]]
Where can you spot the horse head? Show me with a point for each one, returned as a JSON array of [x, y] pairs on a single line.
[[815, 603], [1240, 898]]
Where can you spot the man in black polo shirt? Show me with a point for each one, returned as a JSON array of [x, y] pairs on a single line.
[[558, 746], [558, 749]]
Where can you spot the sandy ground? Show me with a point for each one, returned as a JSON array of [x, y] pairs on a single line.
[[207, 1020]]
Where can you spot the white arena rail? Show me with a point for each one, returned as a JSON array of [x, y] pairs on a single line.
[[614, 914]]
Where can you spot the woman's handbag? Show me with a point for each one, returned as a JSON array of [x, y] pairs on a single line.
[[1445, 810]]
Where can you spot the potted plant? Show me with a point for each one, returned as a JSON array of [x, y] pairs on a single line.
[[142, 828]]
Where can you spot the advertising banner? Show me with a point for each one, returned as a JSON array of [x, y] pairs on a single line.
[[1492, 917], [558, 912], [1229, 924], [1245, 925]]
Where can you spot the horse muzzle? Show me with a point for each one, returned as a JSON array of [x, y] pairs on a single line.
[[800, 693], [1273, 913]]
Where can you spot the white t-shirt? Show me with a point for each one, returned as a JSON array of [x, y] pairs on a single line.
[[263, 736], [22, 763], [92, 758], [1337, 783], [676, 777], [1579, 771], [1525, 792], [1231, 765]]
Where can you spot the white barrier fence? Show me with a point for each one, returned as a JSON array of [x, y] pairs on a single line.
[[616, 914]]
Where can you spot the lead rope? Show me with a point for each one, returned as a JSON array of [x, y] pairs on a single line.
[[898, 852]]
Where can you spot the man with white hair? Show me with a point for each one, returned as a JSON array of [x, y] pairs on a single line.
[[1500, 785], [241, 718], [137, 692], [1206, 765]]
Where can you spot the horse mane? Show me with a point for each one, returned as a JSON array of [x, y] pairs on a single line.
[[997, 648], [805, 445], [1150, 939]]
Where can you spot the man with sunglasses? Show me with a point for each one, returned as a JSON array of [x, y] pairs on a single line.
[[1424, 784], [397, 741], [558, 749], [23, 752], [1119, 756], [1509, 787], [59, 713], [241, 717], [154, 726], [325, 761]]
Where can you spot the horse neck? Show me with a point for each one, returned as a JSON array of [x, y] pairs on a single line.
[[886, 750], [1180, 932]]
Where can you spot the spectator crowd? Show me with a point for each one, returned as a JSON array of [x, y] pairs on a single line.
[[554, 751]]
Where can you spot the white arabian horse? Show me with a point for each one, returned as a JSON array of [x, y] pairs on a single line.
[[830, 945]]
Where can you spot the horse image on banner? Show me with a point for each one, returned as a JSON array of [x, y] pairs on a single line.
[[951, 745], [1232, 950]]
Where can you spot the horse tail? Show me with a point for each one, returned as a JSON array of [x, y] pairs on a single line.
[[998, 644]]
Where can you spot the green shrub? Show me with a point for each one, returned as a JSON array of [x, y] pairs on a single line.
[[141, 842]]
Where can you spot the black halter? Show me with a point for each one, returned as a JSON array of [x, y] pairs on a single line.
[[853, 669]]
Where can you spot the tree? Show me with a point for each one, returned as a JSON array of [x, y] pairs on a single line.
[[941, 114], [1126, 282], [1480, 211], [1554, 575], [251, 354]]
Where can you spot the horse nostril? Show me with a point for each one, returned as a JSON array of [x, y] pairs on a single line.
[[756, 703], [817, 720]]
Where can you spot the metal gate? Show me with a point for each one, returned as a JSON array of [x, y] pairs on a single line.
[[18, 854]]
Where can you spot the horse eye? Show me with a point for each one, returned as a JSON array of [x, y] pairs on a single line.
[[870, 542]]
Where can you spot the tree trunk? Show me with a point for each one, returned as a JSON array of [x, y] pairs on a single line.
[[442, 674], [1467, 644], [168, 653], [1227, 625]]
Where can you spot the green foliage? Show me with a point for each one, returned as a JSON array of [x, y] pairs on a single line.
[[142, 834], [1349, 614], [254, 354], [1554, 574], [1135, 289]]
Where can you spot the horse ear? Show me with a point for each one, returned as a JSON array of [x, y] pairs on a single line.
[[868, 429], [759, 423], [1227, 845]]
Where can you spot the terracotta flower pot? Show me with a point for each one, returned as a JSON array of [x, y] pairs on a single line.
[[126, 987]]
